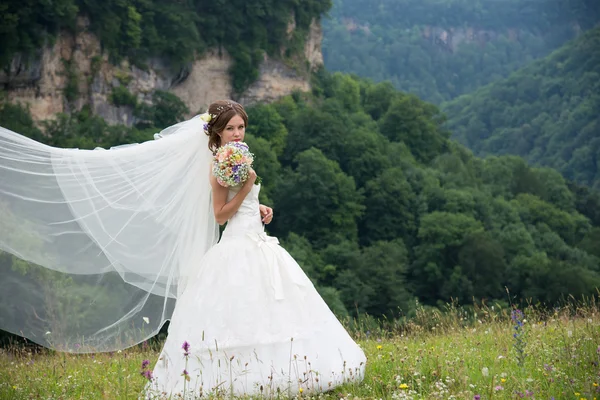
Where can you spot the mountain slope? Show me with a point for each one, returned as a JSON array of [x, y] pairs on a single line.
[[441, 49], [547, 112]]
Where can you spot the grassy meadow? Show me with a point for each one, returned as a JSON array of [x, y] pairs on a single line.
[[486, 352]]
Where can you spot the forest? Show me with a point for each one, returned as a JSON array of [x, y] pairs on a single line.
[[175, 30], [441, 49], [382, 209], [373, 197], [547, 112]]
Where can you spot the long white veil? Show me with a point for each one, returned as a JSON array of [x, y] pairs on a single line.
[[96, 245]]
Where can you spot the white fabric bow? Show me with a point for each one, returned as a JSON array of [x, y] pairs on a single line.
[[269, 246]]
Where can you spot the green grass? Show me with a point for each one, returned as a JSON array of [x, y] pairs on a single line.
[[455, 354]]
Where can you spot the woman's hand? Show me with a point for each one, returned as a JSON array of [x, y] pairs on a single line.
[[266, 213]]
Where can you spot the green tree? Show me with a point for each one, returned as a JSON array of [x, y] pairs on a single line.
[[413, 122], [320, 201], [390, 208], [265, 122]]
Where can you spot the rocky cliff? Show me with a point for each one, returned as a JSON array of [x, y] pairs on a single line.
[[74, 72]]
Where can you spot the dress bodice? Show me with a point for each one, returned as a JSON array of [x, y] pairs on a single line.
[[247, 219]]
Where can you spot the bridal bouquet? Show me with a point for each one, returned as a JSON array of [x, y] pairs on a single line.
[[231, 164]]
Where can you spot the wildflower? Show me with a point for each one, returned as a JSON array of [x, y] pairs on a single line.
[[379, 347], [485, 371], [301, 390], [477, 397], [146, 320], [502, 380], [147, 374], [403, 386], [498, 388], [517, 317], [570, 333], [186, 348], [145, 364], [186, 375], [595, 384]]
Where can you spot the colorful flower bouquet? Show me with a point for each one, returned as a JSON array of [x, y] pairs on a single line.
[[232, 163]]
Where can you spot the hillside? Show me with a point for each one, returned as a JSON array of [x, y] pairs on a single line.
[[111, 56], [441, 49], [380, 208], [547, 112]]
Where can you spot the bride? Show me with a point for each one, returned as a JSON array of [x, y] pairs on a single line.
[[136, 226], [250, 321]]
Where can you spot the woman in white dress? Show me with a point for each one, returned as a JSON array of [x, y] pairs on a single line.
[[101, 247], [249, 320]]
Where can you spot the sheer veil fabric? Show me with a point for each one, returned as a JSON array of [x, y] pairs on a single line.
[[96, 245]]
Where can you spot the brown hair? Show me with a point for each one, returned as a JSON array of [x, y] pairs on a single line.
[[222, 111]]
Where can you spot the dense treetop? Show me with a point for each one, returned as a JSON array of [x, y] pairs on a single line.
[[547, 112], [399, 40]]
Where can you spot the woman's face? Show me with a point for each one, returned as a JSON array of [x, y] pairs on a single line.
[[234, 131]]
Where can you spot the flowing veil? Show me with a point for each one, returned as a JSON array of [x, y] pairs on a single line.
[[96, 245]]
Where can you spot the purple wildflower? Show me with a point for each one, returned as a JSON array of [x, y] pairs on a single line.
[[477, 397], [186, 375], [498, 388], [186, 348], [529, 393], [147, 374], [518, 317], [145, 364]]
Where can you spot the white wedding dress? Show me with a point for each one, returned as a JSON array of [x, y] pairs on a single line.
[[254, 322]]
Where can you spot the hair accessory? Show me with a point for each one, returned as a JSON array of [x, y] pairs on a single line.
[[221, 109]]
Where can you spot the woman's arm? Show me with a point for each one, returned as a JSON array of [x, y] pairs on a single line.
[[222, 208]]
